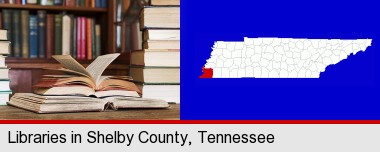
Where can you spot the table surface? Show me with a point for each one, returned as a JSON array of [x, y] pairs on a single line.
[[12, 113]]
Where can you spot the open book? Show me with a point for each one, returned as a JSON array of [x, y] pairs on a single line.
[[86, 81], [58, 104]]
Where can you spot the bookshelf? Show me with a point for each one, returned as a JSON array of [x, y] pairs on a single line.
[[27, 71]]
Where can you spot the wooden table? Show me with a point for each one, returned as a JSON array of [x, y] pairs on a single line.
[[9, 113]]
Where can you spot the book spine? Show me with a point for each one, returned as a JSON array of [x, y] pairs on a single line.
[[97, 40], [33, 36], [70, 3], [58, 34], [16, 33], [83, 38], [92, 3], [98, 3], [25, 33], [93, 47], [31, 1], [7, 24], [79, 37], [50, 35], [46, 2], [41, 33], [104, 3], [1, 20], [23, 2], [57, 2], [89, 39], [66, 24], [74, 37], [18, 1]]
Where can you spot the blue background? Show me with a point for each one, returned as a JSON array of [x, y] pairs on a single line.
[[348, 90]]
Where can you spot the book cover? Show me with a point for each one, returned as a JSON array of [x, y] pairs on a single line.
[[50, 34], [16, 39], [25, 33], [58, 34], [41, 33], [33, 36], [66, 34]]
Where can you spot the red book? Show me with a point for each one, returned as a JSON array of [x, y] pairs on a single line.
[[70, 3], [18, 1], [49, 35], [79, 38], [83, 35]]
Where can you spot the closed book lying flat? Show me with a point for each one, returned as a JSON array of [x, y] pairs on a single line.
[[162, 44], [160, 34], [4, 73], [4, 34], [170, 58], [155, 75], [4, 85], [160, 17], [164, 2], [2, 62], [169, 93], [4, 97], [60, 104], [4, 47]]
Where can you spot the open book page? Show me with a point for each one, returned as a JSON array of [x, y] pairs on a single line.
[[70, 63], [97, 67]]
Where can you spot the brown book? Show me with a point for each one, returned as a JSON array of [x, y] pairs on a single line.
[[25, 33], [89, 39], [50, 35], [162, 44], [59, 104], [70, 2]]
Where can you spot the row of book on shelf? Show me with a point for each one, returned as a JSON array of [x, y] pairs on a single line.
[[156, 68], [42, 35], [77, 3]]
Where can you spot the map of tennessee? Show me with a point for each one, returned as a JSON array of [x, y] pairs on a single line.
[[278, 57]]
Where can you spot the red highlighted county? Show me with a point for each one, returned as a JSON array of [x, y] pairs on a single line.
[[207, 72]]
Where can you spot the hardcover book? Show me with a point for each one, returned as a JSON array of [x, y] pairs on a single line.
[[41, 34], [25, 33], [33, 36], [60, 104]]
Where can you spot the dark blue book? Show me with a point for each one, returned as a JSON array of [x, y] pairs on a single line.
[[33, 36], [41, 34], [57, 2], [98, 3], [104, 3]]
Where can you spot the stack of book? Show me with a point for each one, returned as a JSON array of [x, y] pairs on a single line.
[[157, 67], [77, 3], [5, 90], [42, 35], [83, 89]]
